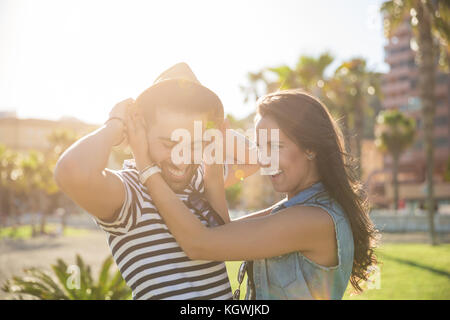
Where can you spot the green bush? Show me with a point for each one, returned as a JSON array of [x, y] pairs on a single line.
[[39, 284]]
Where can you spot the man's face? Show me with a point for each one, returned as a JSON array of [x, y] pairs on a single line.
[[160, 144]]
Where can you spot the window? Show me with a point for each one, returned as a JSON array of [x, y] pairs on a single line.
[[441, 142], [441, 121]]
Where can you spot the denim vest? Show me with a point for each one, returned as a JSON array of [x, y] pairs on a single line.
[[292, 275]]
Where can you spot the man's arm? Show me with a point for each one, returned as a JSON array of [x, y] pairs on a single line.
[[80, 171]]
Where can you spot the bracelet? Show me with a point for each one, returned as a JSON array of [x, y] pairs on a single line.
[[124, 125], [149, 171], [150, 165]]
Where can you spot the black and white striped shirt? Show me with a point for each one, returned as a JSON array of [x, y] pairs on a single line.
[[149, 258]]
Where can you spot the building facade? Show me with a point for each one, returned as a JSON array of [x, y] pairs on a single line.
[[32, 134], [400, 91], [27, 134]]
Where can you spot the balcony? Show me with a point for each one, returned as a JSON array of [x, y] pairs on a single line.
[[395, 102], [395, 87], [405, 55], [400, 71]]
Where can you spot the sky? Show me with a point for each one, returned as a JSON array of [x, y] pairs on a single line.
[[79, 58]]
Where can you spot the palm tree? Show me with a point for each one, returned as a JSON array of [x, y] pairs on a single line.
[[49, 189], [3, 189], [352, 88], [395, 132], [59, 140], [9, 174], [447, 171], [31, 175], [349, 93], [31, 180], [308, 74], [311, 71], [256, 87], [428, 18]]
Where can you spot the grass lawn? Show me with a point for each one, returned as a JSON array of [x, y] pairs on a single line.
[[24, 232], [408, 271]]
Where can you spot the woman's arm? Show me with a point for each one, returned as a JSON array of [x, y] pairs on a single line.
[[291, 229], [258, 214]]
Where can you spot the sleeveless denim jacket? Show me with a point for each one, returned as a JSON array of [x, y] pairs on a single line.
[[293, 276]]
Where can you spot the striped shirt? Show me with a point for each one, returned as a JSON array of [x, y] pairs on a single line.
[[149, 258]]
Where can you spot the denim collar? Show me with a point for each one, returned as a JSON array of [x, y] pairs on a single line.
[[304, 194]]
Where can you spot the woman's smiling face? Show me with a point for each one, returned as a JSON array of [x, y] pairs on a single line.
[[296, 171]]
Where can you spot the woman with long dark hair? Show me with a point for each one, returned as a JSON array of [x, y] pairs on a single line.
[[311, 244]]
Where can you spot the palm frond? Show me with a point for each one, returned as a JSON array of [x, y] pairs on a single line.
[[39, 284]]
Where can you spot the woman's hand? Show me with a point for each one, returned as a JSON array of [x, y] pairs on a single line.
[[137, 137]]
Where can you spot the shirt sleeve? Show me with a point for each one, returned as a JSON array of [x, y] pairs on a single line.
[[127, 214]]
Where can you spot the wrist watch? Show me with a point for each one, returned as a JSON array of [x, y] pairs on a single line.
[[148, 171]]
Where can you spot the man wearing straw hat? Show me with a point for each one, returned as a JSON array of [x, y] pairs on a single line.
[[150, 260]]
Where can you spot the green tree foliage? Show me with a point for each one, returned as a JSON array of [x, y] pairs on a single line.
[[395, 132], [430, 22], [351, 92]]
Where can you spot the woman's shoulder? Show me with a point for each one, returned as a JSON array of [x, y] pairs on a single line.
[[326, 202], [316, 217]]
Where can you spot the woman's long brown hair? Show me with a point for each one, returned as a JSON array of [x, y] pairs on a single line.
[[306, 121]]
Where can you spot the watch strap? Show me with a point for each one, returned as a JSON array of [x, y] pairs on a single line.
[[147, 172]]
